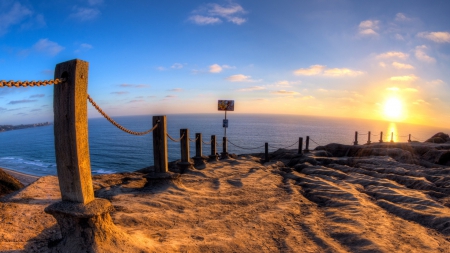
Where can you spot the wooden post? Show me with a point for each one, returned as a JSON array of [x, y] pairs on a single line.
[[409, 138], [198, 145], [356, 138], [392, 136], [161, 161], [368, 138], [381, 136], [184, 135], [213, 155], [224, 148], [266, 152], [71, 132], [307, 145], [300, 145]]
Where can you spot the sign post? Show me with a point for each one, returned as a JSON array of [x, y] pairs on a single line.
[[225, 105]]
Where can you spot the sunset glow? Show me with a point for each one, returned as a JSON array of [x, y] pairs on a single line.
[[393, 109]]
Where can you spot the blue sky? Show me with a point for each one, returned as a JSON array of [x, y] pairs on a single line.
[[341, 58]]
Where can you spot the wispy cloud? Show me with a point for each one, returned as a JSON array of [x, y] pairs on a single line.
[[400, 17], [421, 55], [37, 96], [404, 78], [83, 48], [392, 54], [322, 70], [84, 13], [216, 68], [119, 92], [241, 78], [15, 15], [368, 28], [136, 101], [176, 90], [127, 85], [284, 92], [215, 14], [439, 37], [48, 47], [436, 82], [399, 65], [254, 88], [161, 68], [177, 66], [421, 102], [23, 101]]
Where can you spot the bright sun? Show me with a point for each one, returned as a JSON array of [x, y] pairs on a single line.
[[393, 108]]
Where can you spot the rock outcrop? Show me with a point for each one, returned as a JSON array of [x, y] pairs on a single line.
[[8, 184]]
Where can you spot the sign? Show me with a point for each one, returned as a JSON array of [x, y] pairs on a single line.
[[225, 123], [226, 105]]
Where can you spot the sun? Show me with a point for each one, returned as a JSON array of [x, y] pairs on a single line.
[[393, 109]]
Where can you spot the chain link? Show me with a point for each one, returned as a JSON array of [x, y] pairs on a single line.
[[314, 142], [206, 143], [243, 147], [11, 83], [175, 140], [283, 147], [117, 124], [191, 140]]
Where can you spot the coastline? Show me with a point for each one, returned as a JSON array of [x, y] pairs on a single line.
[[25, 179]]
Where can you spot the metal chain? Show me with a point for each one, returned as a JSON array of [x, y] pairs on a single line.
[[191, 140], [416, 138], [175, 140], [117, 124], [11, 83], [283, 147], [243, 147], [206, 143], [314, 142]]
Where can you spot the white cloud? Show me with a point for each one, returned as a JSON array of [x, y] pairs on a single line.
[[439, 37], [285, 92], [399, 65], [322, 70], [437, 82], [398, 37], [84, 14], [240, 78], [401, 17], [202, 20], [382, 64], [48, 47], [14, 16], [336, 72], [177, 66], [215, 14], [83, 48], [421, 55], [403, 78], [392, 54], [176, 90], [161, 68], [311, 71], [215, 68], [368, 27], [254, 88], [421, 102]]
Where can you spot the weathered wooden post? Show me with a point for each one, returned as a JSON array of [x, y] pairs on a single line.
[[213, 155], [409, 138], [356, 138], [185, 162], [84, 221], [266, 152], [381, 136], [300, 145], [392, 136], [199, 159], [306, 145], [224, 154], [368, 138], [160, 157]]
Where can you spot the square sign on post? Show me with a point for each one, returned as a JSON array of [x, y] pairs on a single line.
[[225, 105]]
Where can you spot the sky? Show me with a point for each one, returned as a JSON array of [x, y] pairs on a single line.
[[373, 59]]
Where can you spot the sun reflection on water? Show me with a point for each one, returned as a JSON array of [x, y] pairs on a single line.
[[392, 133]]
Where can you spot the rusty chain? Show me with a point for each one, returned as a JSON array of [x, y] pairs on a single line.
[[117, 124], [11, 83], [193, 140]]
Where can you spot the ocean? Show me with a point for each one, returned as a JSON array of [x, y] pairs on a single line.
[[32, 151]]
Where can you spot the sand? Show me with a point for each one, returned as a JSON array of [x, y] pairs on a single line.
[[363, 204]]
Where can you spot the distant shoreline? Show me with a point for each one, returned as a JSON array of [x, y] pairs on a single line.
[[4, 128]]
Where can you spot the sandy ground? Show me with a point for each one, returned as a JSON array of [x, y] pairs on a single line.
[[367, 204]]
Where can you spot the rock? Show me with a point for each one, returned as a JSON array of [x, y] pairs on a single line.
[[8, 183], [439, 138], [437, 156]]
